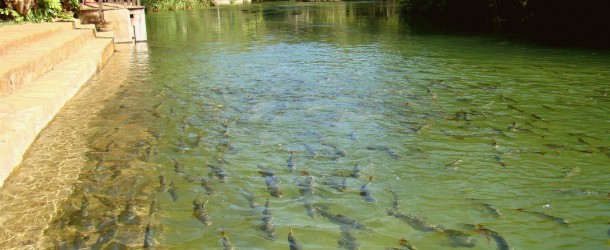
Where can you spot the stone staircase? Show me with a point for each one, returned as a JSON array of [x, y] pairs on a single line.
[[42, 66]]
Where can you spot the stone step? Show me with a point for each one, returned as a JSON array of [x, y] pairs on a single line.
[[20, 66], [24, 114], [13, 36]]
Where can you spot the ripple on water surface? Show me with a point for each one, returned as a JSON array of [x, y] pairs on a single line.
[[357, 131]]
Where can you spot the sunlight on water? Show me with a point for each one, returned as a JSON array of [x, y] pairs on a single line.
[[357, 130]]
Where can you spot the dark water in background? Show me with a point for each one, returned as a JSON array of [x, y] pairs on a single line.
[[459, 127]]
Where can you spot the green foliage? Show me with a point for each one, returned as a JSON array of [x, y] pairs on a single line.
[[164, 5], [71, 5], [45, 11], [10, 14], [37, 10]]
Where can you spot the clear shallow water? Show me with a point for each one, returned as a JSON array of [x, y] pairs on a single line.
[[461, 127]]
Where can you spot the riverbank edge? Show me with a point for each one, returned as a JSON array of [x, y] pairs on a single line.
[[23, 115]]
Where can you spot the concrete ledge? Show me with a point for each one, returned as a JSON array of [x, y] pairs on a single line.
[[15, 36], [21, 66], [24, 114]]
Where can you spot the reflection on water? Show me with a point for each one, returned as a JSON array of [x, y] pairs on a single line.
[[334, 126]]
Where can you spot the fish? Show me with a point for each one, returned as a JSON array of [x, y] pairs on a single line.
[[292, 242], [272, 186], [357, 172], [415, 222], [149, 241], [184, 125], [129, 216], [365, 192], [462, 115], [501, 242], [308, 186], [387, 150], [339, 219], [494, 144], [567, 173], [310, 151], [162, 184], [154, 206], [577, 192], [178, 167], [200, 140], [200, 212], [537, 117], [515, 127], [191, 178], [172, 191], [100, 162], [309, 207], [182, 146], [581, 140], [251, 198], [583, 135], [218, 172], [604, 150], [343, 185], [454, 165], [106, 222], [150, 151], [526, 152], [536, 126], [267, 225], [458, 238], [266, 212], [498, 159], [207, 185], [290, 162], [559, 220], [515, 108], [405, 245], [347, 240], [338, 152], [488, 208], [84, 207], [353, 136], [503, 98], [395, 202], [271, 181], [265, 172], [105, 201], [109, 146], [226, 243], [156, 106], [106, 237], [80, 240], [549, 107], [339, 185]]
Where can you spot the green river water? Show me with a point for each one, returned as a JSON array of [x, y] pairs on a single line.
[[453, 129]]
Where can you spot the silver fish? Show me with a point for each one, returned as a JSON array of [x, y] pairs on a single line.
[[149, 241], [365, 192], [226, 244], [200, 212], [292, 242]]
